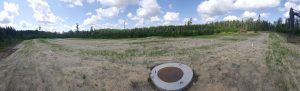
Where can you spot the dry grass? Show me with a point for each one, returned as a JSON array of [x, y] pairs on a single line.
[[224, 62]]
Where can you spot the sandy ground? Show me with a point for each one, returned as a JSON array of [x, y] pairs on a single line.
[[232, 62]]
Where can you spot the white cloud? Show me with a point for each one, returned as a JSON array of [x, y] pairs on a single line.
[[11, 8], [108, 25], [122, 21], [88, 13], [194, 20], [129, 15], [9, 12], [59, 27], [288, 5], [118, 3], [91, 1], [42, 12], [91, 20], [5, 18], [155, 19], [210, 9], [148, 11], [171, 16], [108, 12], [248, 14], [16, 26], [148, 8], [25, 24], [295, 1], [230, 18], [265, 15], [112, 26], [110, 8], [186, 19], [255, 4], [73, 3], [214, 7], [210, 19]]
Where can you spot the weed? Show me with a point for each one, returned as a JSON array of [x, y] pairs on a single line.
[[282, 85], [54, 47], [276, 53], [83, 76], [276, 57], [151, 41], [43, 41], [28, 48]]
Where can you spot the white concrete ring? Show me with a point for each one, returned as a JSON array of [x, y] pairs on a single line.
[[178, 85]]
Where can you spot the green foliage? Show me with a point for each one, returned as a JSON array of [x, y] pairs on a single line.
[[174, 31], [9, 35]]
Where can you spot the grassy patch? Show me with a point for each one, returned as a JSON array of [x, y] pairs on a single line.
[[225, 34], [129, 53], [234, 38], [277, 62], [9, 43], [54, 47], [207, 36], [126, 56], [282, 85], [276, 53], [28, 48], [151, 41], [43, 41], [215, 35], [193, 50]]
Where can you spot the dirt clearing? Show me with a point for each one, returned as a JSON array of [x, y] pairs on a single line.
[[226, 62]]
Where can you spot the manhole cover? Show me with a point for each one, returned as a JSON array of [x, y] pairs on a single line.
[[171, 76]]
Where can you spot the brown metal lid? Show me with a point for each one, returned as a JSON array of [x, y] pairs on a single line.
[[170, 74]]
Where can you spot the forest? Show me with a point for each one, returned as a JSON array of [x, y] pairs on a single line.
[[10, 36]]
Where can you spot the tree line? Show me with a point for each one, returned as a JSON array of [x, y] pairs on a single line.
[[9, 35], [175, 30]]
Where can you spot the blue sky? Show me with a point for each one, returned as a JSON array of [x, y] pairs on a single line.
[[62, 15]]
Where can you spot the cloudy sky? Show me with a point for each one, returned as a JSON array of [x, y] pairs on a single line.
[[62, 15]]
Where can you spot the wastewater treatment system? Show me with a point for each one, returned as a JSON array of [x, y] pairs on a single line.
[[171, 76], [291, 35]]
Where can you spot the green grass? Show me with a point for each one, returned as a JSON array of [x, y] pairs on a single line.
[[276, 57], [8, 43], [194, 50], [276, 53], [54, 47], [234, 38], [129, 53], [225, 34], [126, 56], [282, 85], [43, 41], [214, 35], [150, 41], [28, 48]]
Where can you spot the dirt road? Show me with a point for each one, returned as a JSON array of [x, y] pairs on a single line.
[[227, 62]]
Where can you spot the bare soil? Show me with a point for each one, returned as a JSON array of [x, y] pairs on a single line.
[[7, 51], [226, 62]]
